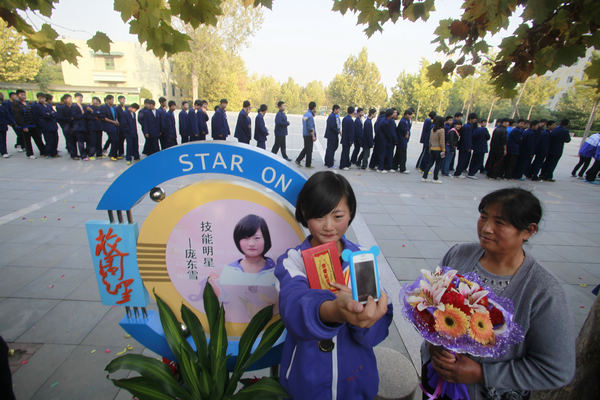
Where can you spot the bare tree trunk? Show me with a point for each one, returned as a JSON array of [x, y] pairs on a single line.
[[194, 84], [417, 113], [464, 105], [530, 110], [585, 384], [494, 100], [588, 126], [440, 106], [470, 98], [515, 108]]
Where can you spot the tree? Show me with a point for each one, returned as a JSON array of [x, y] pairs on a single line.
[[264, 90], [291, 93], [315, 91], [49, 73], [359, 83], [16, 65], [539, 90], [403, 93]]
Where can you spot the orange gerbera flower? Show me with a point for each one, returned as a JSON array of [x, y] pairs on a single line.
[[481, 329], [451, 322]]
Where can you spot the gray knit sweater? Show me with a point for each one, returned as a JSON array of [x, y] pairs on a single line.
[[546, 359]]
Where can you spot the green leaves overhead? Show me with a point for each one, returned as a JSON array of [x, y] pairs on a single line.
[[100, 42]]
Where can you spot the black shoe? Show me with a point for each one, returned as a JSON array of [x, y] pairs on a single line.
[[298, 163], [287, 159]]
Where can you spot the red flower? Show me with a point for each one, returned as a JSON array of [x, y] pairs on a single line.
[[496, 316], [426, 319], [484, 301], [457, 300]]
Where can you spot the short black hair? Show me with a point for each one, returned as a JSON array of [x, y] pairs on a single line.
[[372, 111], [11, 93], [120, 97], [521, 120], [359, 109], [135, 106], [312, 105], [457, 122], [40, 94], [216, 108], [483, 121], [262, 108], [321, 193], [550, 122], [223, 101], [77, 94], [389, 112], [48, 97], [171, 103], [408, 112], [109, 97], [280, 103], [519, 207], [197, 102], [161, 99], [19, 91], [438, 122], [151, 101], [472, 116], [564, 122], [432, 114], [335, 107], [65, 96], [247, 227], [202, 102], [97, 98], [448, 117], [246, 104], [458, 114], [184, 103], [350, 110]]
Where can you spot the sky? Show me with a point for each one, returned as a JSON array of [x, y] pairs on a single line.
[[301, 39]]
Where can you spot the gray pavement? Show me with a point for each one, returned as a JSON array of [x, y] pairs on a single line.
[[49, 303]]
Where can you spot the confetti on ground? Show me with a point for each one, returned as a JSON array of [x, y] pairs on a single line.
[[93, 351], [580, 278], [129, 347], [127, 336], [72, 206], [50, 286], [23, 362], [58, 219], [107, 351], [122, 352], [11, 352], [24, 218], [62, 277], [403, 245], [583, 285], [54, 384], [581, 306]]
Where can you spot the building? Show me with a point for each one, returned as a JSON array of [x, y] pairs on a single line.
[[567, 76], [129, 69]]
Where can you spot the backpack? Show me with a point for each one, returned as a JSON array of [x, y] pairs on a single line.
[[453, 137]]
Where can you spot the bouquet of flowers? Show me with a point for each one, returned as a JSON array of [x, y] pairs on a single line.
[[458, 313]]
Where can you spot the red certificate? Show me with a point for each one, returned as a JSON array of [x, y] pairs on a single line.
[[322, 264]]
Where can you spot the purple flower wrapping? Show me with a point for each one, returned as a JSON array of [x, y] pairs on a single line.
[[506, 335]]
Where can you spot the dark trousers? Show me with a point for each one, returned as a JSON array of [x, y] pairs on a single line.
[[374, 162], [510, 163], [246, 141], [450, 152], [306, 151], [523, 164], [82, 138], [332, 145], [107, 144], [51, 139], [153, 145], [399, 158], [33, 133], [121, 142], [592, 173], [70, 142], [185, 139], [114, 143], [550, 165], [423, 159], [198, 137], [345, 156], [20, 143], [583, 163], [3, 143], [354, 158], [536, 166], [96, 144], [279, 145], [261, 144], [166, 142], [464, 156], [476, 163], [6, 387], [133, 151], [434, 159], [363, 158], [163, 140]]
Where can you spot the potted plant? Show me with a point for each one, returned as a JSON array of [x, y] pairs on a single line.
[[203, 373]]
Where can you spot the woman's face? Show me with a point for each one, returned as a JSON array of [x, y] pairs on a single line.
[[330, 227], [254, 245], [496, 234]]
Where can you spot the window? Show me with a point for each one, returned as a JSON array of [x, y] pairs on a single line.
[[109, 63], [164, 87], [173, 90], [570, 79]]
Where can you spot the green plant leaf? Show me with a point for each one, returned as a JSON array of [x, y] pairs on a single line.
[[100, 42], [197, 331], [127, 8], [217, 349], [211, 304], [256, 325], [143, 388], [264, 387], [151, 369], [268, 339], [172, 329], [191, 374]]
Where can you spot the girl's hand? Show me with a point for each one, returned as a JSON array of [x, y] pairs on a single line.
[[345, 309], [455, 369]]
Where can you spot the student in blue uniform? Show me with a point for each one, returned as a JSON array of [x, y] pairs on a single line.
[[479, 142], [328, 351], [358, 132], [220, 126], [243, 127], [94, 124], [6, 119], [586, 152], [281, 131], [9, 104], [131, 135], [451, 142], [260, 128], [110, 124], [185, 125], [541, 150], [379, 141], [65, 120], [465, 145], [592, 173], [47, 124], [527, 150], [387, 132], [403, 136], [367, 139], [347, 138], [423, 160], [150, 122], [162, 110], [201, 120], [168, 129], [121, 110], [309, 135], [80, 130], [332, 134], [533, 145], [24, 120], [513, 148], [558, 137]]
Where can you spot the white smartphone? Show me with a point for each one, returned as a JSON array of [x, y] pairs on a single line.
[[364, 276]]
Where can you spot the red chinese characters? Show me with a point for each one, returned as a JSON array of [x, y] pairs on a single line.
[[110, 265]]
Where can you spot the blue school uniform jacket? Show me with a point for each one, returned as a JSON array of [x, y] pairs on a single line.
[[6, 116], [597, 153], [513, 142], [331, 128], [108, 112], [201, 119], [358, 131], [128, 124], [150, 122], [308, 124], [260, 129], [243, 127], [63, 116], [185, 125], [78, 115], [543, 144], [466, 138], [46, 119], [349, 371], [93, 119], [388, 131], [347, 130], [220, 126], [558, 137], [367, 138], [167, 125], [281, 124], [122, 118], [402, 130], [588, 148], [426, 131], [480, 138]]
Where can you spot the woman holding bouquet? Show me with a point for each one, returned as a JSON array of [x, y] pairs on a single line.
[[546, 357]]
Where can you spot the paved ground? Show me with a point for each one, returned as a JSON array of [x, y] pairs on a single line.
[[49, 304]]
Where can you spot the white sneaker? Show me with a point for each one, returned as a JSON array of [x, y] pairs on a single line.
[[5, 155], [425, 180], [383, 171], [472, 177], [32, 157], [19, 149], [437, 181], [391, 170], [406, 172], [346, 169], [459, 176]]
